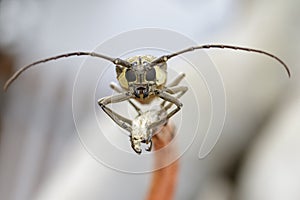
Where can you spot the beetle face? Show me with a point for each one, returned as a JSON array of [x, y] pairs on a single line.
[[140, 77]]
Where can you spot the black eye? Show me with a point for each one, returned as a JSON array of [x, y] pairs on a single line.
[[151, 75], [130, 75]]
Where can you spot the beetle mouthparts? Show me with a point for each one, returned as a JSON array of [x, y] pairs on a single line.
[[141, 92]]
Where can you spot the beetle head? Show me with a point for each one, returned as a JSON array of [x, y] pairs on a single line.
[[141, 75]]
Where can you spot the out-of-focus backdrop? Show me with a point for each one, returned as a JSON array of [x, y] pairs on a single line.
[[257, 156]]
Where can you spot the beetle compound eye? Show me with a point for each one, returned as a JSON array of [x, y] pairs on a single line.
[[151, 75], [130, 75]]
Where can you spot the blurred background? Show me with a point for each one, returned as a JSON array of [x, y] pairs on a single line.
[[257, 156]]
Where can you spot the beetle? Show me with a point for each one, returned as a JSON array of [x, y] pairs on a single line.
[[146, 124], [143, 78]]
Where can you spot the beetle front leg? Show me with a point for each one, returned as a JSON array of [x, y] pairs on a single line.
[[179, 90], [116, 88], [165, 94], [177, 80], [174, 83], [123, 122], [167, 97]]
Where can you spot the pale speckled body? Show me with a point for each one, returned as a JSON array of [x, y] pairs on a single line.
[[142, 132]]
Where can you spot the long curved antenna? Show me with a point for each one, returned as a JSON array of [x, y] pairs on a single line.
[[220, 46], [116, 61]]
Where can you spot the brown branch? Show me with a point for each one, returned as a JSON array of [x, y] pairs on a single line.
[[164, 180]]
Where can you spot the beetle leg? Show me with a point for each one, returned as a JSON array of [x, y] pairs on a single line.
[[173, 83], [123, 122], [173, 100], [181, 90], [177, 80], [116, 88], [160, 122]]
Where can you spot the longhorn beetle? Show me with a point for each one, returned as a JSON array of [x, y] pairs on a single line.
[[143, 78]]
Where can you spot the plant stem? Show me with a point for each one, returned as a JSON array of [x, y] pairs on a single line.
[[164, 180]]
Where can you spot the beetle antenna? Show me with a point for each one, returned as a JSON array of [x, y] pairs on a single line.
[[116, 61], [220, 46]]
